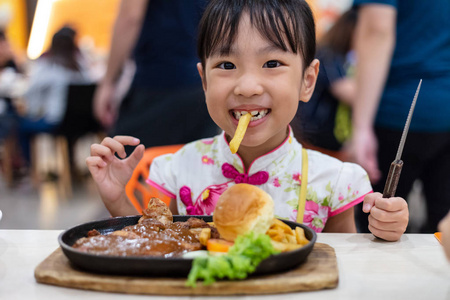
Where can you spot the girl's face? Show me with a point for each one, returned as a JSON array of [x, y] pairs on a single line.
[[259, 78]]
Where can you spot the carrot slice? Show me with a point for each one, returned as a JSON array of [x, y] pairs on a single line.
[[438, 236], [218, 245]]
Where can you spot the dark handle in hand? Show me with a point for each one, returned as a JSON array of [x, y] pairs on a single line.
[[392, 179]]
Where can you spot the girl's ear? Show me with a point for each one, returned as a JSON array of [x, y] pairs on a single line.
[[309, 80], [202, 75]]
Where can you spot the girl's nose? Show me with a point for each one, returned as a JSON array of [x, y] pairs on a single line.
[[248, 85]]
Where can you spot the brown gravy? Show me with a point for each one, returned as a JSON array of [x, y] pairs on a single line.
[[147, 238]]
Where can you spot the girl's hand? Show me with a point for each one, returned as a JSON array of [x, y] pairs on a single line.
[[388, 217], [111, 174]]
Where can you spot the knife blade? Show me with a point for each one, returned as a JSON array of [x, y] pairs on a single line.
[[396, 166]]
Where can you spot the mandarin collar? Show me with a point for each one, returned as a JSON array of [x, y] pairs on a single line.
[[260, 163]]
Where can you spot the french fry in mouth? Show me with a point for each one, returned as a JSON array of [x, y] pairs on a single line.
[[240, 132]]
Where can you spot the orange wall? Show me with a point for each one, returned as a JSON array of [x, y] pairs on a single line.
[[326, 12], [93, 19], [16, 27]]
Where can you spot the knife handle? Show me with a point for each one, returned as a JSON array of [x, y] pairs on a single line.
[[392, 178]]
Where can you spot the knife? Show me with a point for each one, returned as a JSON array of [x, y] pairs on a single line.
[[396, 166]]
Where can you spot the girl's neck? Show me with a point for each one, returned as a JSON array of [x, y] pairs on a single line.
[[250, 154]]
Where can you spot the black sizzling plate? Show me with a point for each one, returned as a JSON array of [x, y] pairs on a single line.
[[159, 266]]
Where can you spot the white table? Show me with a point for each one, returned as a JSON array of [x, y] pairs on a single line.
[[413, 268]]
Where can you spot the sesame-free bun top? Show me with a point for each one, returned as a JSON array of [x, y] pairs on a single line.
[[243, 208]]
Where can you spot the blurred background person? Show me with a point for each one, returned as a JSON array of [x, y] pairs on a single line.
[[165, 103], [324, 123], [12, 84], [9, 71], [49, 80], [399, 42]]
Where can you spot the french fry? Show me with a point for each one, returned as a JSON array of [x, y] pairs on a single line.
[[205, 235], [291, 239], [283, 247], [280, 224], [272, 232], [240, 132], [300, 236], [284, 238], [278, 238]]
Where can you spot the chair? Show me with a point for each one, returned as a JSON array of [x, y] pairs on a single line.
[[78, 121], [136, 189]]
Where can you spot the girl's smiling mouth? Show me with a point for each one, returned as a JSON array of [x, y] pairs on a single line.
[[256, 114]]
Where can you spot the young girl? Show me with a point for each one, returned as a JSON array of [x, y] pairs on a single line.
[[257, 57]]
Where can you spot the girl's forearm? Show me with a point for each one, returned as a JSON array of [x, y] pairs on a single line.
[[120, 207]]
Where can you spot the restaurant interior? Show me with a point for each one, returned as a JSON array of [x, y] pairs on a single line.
[[41, 207], [44, 201], [37, 200]]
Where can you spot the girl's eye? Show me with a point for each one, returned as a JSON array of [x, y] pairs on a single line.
[[272, 64], [227, 66]]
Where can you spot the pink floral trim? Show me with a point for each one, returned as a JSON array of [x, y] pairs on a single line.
[[186, 198], [297, 177], [206, 201], [161, 189], [207, 161], [347, 206], [208, 141], [276, 182], [316, 216]]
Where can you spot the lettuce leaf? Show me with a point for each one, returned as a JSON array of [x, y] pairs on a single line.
[[242, 259]]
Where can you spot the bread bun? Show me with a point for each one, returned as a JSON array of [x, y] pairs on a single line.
[[243, 208]]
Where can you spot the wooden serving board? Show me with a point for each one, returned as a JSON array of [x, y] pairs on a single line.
[[320, 271]]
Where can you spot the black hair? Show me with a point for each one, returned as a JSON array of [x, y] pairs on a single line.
[[63, 50], [288, 24]]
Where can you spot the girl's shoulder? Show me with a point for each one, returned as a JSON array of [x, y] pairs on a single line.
[[315, 156], [325, 165], [192, 151], [334, 183]]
